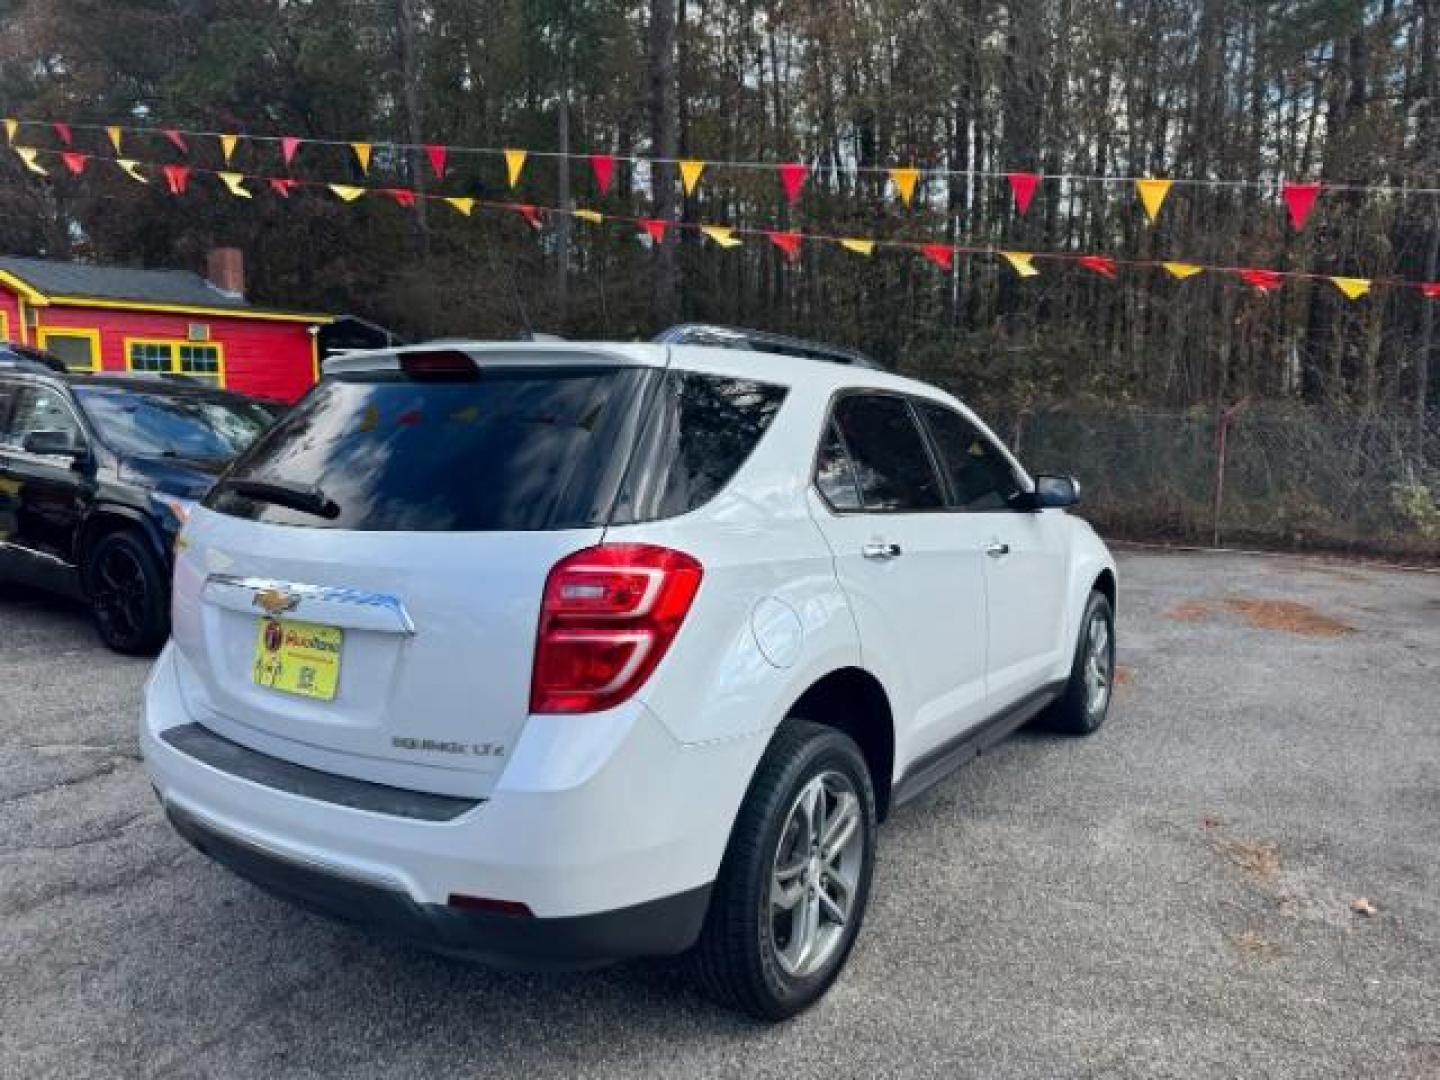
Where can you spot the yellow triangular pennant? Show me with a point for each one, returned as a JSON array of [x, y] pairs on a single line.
[[362, 155], [1152, 195], [465, 206], [27, 155], [131, 169], [1022, 261], [722, 235], [227, 146], [592, 216], [860, 247], [514, 163], [904, 181], [1352, 287], [1180, 271], [347, 192], [11, 127], [116, 135], [235, 184], [690, 175]]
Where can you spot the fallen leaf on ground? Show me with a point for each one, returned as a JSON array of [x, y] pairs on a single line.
[[1289, 616]]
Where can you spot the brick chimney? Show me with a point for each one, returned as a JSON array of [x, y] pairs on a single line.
[[225, 267]]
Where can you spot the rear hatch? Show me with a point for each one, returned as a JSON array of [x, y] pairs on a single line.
[[360, 593]]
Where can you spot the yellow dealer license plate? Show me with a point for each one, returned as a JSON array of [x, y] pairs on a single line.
[[298, 657]]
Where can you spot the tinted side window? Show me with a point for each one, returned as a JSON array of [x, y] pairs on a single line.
[[979, 474], [38, 409], [7, 395], [892, 466], [698, 432], [833, 474]]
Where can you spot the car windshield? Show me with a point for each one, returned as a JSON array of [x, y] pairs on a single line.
[[148, 424]]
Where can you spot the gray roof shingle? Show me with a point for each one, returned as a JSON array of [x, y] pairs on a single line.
[[54, 277]]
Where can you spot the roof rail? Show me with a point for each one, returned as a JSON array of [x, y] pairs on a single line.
[[730, 337]]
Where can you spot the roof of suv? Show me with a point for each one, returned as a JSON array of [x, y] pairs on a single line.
[[737, 363]]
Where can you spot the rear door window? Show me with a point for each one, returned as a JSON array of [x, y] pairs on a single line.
[[513, 449], [698, 431], [892, 464]]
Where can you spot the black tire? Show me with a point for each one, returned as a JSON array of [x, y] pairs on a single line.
[[129, 593], [1076, 713], [739, 956]]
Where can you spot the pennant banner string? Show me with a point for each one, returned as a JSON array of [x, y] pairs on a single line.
[[789, 242], [178, 136]]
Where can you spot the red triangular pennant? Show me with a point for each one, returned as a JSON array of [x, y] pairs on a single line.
[[437, 155], [1264, 280], [1431, 292], [177, 178], [62, 131], [288, 145], [941, 255], [788, 242], [1102, 265], [603, 165], [282, 187], [177, 140], [1300, 198], [75, 162], [655, 229], [402, 196], [531, 215], [793, 176], [1023, 184]]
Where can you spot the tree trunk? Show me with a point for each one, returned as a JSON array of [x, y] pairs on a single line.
[[407, 39], [664, 138], [562, 174]]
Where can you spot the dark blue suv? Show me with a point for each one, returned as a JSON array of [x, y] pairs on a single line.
[[97, 475]]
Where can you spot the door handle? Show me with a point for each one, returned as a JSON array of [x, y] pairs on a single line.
[[997, 550], [880, 550]]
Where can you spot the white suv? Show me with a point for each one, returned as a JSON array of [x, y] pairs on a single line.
[[558, 654]]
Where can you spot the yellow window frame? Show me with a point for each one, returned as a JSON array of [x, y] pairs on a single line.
[[4, 326], [173, 347], [43, 334]]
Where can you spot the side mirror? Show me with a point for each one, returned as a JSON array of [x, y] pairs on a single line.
[[1055, 491], [50, 442]]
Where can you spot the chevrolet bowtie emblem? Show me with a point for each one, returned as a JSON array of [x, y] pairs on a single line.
[[275, 601]]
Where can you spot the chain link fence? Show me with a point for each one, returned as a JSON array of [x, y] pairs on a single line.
[[1262, 476]]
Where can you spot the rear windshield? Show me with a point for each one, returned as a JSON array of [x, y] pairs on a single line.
[[513, 450]]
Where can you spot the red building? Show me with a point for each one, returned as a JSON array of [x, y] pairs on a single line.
[[113, 318]]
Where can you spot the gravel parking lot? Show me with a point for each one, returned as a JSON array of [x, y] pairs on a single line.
[[1170, 898]]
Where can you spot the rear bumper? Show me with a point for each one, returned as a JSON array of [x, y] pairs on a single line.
[[604, 827], [659, 927]]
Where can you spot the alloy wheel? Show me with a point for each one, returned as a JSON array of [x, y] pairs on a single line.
[[1099, 664], [120, 593], [815, 874]]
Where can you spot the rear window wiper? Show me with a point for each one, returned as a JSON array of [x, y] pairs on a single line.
[[307, 498]]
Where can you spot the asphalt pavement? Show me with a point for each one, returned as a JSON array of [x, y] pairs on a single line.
[[1172, 897]]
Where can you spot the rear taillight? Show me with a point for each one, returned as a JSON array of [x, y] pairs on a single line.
[[608, 617]]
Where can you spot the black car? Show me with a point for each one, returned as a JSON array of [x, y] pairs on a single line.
[[97, 475]]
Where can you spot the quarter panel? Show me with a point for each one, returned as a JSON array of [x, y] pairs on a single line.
[[756, 541]]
